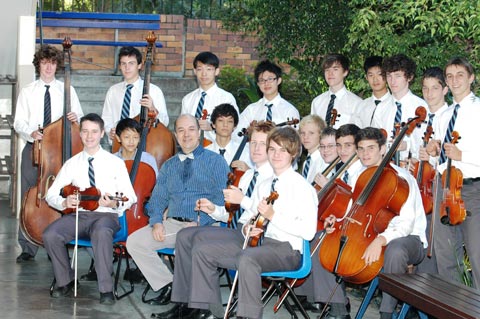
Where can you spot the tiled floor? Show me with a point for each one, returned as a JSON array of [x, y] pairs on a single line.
[[24, 289]]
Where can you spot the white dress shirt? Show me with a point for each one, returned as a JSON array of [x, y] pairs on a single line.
[[282, 110], [29, 109], [346, 103], [230, 151], [295, 209], [111, 176], [112, 108], [409, 102], [465, 124], [370, 114], [317, 165], [215, 96], [146, 158]]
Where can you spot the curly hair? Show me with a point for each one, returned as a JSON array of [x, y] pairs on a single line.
[[48, 53]]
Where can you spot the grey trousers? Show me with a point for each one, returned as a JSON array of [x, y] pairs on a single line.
[[100, 228], [28, 179], [198, 257], [448, 240]]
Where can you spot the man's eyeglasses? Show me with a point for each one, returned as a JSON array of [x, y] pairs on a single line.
[[327, 147], [267, 80]]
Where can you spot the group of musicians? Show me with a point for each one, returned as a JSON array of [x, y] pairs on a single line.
[[370, 149]]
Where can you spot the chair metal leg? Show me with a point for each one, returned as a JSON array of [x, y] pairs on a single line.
[[367, 299], [122, 255]]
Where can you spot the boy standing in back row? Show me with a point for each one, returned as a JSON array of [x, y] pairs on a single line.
[[336, 68], [208, 95]]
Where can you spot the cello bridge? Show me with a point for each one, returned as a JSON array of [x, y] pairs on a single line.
[[351, 220]]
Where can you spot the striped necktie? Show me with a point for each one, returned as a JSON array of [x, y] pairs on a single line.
[[198, 113], [91, 173], [222, 152], [306, 167], [345, 177], [330, 108], [126, 102], [249, 193], [269, 112], [266, 221], [47, 107], [448, 135], [430, 119]]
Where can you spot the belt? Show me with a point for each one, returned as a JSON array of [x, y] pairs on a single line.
[[470, 181], [181, 219]]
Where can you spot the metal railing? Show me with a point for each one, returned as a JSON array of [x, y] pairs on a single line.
[[202, 9]]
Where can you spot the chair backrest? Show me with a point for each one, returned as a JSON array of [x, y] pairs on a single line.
[[122, 234]]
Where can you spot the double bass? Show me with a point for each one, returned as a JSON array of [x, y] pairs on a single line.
[[61, 140], [159, 141], [155, 139], [341, 252]]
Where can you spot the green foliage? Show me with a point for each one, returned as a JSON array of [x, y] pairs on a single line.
[[235, 81]]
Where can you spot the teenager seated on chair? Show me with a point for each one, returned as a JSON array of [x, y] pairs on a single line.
[[292, 219], [192, 174], [128, 134], [93, 167], [404, 236]]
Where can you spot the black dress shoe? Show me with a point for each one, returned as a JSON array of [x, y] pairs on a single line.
[[106, 298], [91, 275], [24, 257], [204, 314], [179, 311], [63, 291], [163, 297]]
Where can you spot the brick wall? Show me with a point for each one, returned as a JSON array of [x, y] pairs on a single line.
[[176, 32]]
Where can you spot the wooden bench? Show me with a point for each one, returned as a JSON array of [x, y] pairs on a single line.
[[432, 295], [89, 20]]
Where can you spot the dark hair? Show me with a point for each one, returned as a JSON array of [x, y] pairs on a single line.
[[346, 130], [436, 73], [224, 110], [130, 51], [370, 133], [400, 62], [328, 131], [128, 123], [373, 61], [288, 138], [206, 58], [50, 53], [460, 61], [331, 59], [93, 117], [269, 66]]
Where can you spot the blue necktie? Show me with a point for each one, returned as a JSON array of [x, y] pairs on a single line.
[[222, 152], [448, 135], [47, 107], [198, 113], [272, 189], [269, 112], [330, 108], [249, 193], [126, 102], [91, 173], [306, 167], [345, 177], [430, 119], [265, 222]]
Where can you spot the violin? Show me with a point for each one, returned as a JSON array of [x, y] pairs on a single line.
[[204, 141], [333, 118], [425, 173], [396, 132], [369, 215], [261, 222], [230, 207], [88, 198], [293, 122], [452, 208]]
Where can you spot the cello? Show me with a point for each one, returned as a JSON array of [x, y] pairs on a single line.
[[61, 140], [159, 141], [425, 173], [452, 207], [341, 252]]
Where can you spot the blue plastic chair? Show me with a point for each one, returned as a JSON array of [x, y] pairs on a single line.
[[279, 281], [120, 249]]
